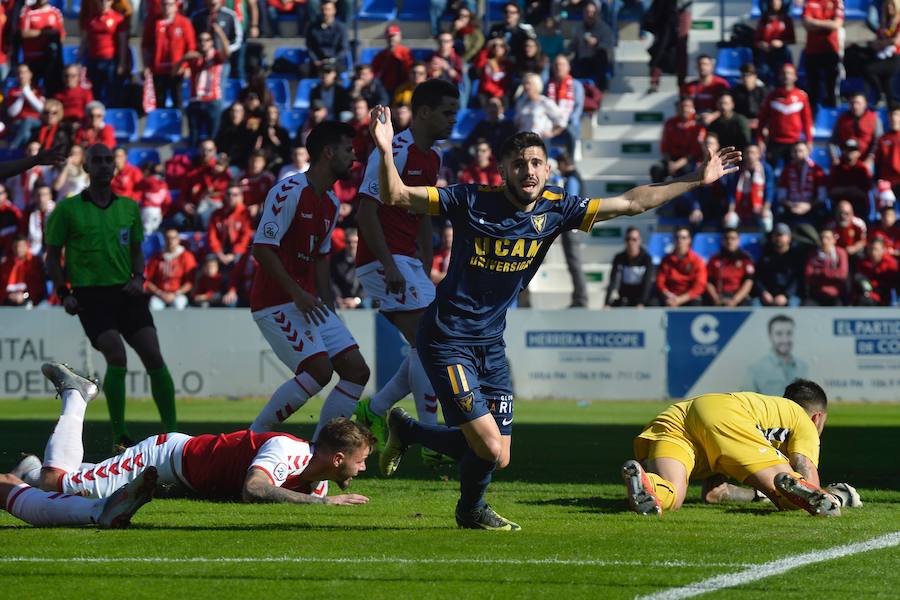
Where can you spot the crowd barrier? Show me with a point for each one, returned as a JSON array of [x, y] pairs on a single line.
[[589, 355]]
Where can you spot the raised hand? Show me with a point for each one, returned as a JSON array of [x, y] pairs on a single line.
[[381, 128], [723, 162]]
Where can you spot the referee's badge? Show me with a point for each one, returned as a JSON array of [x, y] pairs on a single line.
[[537, 221], [124, 236]]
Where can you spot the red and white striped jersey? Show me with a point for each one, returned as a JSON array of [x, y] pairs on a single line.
[[299, 224], [399, 225]]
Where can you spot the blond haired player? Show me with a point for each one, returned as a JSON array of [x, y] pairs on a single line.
[[768, 442]]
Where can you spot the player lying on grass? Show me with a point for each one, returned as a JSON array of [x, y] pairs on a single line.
[[500, 237], [768, 442], [43, 509], [244, 465]]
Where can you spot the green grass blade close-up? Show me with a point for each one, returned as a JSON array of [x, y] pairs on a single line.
[[563, 486]]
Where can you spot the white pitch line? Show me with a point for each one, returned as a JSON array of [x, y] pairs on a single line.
[[370, 560], [775, 567]]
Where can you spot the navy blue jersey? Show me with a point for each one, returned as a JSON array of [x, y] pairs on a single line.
[[496, 250]]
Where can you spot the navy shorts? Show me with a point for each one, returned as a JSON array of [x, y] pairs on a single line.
[[470, 381]]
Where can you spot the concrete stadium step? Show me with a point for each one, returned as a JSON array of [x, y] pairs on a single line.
[[615, 168], [635, 108], [640, 84], [640, 143]]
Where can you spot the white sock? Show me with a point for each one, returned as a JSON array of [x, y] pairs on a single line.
[[287, 399], [393, 392], [426, 400], [341, 402], [65, 449], [32, 477], [51, 508], [73, 403]]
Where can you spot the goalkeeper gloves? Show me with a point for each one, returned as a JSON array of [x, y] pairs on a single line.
[[846, 495]]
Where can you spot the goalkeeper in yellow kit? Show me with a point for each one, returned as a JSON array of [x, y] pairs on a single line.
[[768, 442]]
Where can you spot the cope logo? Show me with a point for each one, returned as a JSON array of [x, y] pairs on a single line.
[[704, 331]]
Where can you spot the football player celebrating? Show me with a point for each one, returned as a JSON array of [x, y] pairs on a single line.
[[500, 238], [244, 465], [292, 300], [390, 266]]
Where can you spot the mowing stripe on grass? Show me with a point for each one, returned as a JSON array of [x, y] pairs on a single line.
[[369, 560], [775, 567]]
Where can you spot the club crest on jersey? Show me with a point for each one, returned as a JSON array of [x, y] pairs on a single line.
[[465, 402], [537, 221], [270, 230], [309, 335]]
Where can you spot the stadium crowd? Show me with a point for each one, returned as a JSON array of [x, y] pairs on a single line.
[[199, 208]]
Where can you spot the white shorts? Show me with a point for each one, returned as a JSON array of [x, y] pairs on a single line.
[[295, 341], [162, 451], [419, 292]]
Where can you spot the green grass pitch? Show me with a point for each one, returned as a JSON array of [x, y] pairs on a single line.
[[563, 487]]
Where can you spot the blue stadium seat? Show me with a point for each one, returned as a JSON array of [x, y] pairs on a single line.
[[885, 117], [852, 85], [74, 10], [855, 10], [659, 245], [422, 54], [294, 55], [139, 155], [304, 89], [729, 61], [466, 120], [367, 55], [281, 91], [125, 122], [752, 244], [378, 10], [796, 9], [414, 10], [7, 154], [292, 119], [825, 121], [822, 157], [495, 10], [163, 126], [152, 244], [706, 244], [232, 90], [70, 55]]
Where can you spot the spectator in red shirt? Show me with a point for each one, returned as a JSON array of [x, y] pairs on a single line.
[[10, 221], [208, 290], [494, 71], [240, 281], [256, 183], [440, 262], [170, 275], [392, 64], [850, 180], [53, 132], [826, 273], [823, 20], [887, 154], [154, 196], [4, 44], [42, 30], [22, 276], [73, 96], [363, 144], [860, 123], [166, 40], [36, 219], [753, 191], [205, 187], [888, 230], [24, 104], [801, 189], [444, 62], [127, 176], [785, 118], [849, 230], [22, 186], [107, 52], [706, 89], [681, 279], [230, 228], [877, 276], [94, 129], [730, 273], [204, 111], [681, 143], [483, 169], [774, 35]]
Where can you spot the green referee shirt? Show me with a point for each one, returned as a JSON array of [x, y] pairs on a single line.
[[97, 240]]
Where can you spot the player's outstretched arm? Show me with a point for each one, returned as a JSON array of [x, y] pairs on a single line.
[[259, 488], [647, 197], [393, 191]]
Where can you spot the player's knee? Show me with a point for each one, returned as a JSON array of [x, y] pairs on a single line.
[[359, 373], [503, 462], [492, 450], [319, 369]]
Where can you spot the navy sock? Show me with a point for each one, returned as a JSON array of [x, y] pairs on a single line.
[[446, 440], [474, 477]]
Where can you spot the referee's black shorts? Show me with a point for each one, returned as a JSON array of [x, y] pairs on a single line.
[[108, 307]]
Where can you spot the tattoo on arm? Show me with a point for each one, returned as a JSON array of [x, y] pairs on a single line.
[[257, 488]]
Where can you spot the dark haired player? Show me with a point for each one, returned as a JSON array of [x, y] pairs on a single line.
[[292, 300], [393, 261], [500, 238], [768, 442]]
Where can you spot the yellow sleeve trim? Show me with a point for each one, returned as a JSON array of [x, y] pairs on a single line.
[[590, 215], [434, 205], [552, 196]]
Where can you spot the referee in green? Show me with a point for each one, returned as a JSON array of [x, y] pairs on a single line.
[[103, 283]]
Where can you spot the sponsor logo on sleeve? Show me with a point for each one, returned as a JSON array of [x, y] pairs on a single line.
[[280, 472]]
